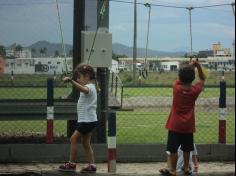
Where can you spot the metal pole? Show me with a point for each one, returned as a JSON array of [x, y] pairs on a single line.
[[102, 76], [79, 12], [111, 142], [222, 111], [191, 35], [233, 4], [50, 111], [149, 15], [135, 41]]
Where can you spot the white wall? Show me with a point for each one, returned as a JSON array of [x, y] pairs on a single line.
[[168, 66], [28, 65]]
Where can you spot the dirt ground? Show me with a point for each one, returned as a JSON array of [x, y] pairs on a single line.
[[212, 168]]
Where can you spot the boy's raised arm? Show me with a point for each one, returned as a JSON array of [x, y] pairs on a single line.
[[201, 75]]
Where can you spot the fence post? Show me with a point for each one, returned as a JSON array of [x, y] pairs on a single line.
[[111, 142], [222, 111], [50, 111]]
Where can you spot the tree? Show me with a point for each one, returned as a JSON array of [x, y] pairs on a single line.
[[71, 53], [56, 53], [2, 51], [117, 56], [19, 48], [33, 51], [43, 51]]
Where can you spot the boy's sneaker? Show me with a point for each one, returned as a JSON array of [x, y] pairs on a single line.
[[68, 167], [89, 169]]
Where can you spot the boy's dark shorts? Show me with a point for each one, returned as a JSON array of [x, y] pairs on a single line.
[[86, 127], [175, 139]]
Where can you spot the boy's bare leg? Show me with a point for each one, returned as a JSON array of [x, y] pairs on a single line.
[[74, 145], [195, 163], [168, 161], [186, 161], [173, 162]]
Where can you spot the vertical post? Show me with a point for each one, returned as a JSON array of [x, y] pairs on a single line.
[[222, 111], [103, 79], [149, 17], [111, 142], [135, 41], [190, 28], [233, 5], [112, 77], [12, 77], [79, 22], [50, 111], [102, 75]]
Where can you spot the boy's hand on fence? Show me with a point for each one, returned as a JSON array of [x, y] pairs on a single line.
[[67, 79]]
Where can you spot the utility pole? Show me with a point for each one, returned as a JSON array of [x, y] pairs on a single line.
[[191, 36], [79, 13], [233, 7], [102, 75], [135, 41], [149, 15]]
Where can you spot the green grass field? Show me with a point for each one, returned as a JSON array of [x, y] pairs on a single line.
[[167, 92], [137, 127], [41, 93]]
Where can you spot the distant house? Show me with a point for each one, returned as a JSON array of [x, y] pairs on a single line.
[[170, 66], [25, 53], [114, 67], [38, 65], [206, 53], [2, 65]]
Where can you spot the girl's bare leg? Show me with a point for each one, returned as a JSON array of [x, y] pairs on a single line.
[[74, 145], [85, 140]]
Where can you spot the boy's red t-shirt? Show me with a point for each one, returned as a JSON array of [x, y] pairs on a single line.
[[182, 116]]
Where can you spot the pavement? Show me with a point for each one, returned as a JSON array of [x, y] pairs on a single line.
[[122, 169]]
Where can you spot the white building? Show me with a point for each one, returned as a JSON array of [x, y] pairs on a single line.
[[37, 65], [25, 53], [114, 67], [170, 66]]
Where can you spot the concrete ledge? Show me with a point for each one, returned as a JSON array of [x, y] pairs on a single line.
[[56, 153], [56, 173]]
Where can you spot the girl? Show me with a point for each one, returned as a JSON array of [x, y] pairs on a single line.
[[87, 85]]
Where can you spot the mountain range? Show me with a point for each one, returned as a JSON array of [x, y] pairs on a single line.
[[118, 49]]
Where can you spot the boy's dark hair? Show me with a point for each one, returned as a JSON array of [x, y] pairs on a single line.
[[186, 73]]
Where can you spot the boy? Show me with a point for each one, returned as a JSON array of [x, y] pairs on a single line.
[[181, 121]]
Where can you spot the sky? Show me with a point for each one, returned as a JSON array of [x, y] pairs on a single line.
[[28, 21]]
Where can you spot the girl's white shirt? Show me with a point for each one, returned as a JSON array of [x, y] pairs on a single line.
[[87, 105]]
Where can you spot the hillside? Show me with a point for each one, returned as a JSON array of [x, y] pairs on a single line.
[[118, 49]]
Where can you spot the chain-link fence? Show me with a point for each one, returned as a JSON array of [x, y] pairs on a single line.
[[151, 106], [27, 66], [148, 106]]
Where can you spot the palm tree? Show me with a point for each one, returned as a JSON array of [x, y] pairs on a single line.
[[19, 49], [33, 51], [2, 51], [43, 51], [56, 53], [71, 53]]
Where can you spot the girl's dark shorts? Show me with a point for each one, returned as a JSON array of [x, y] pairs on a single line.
[[185, 140], [86, 127]]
